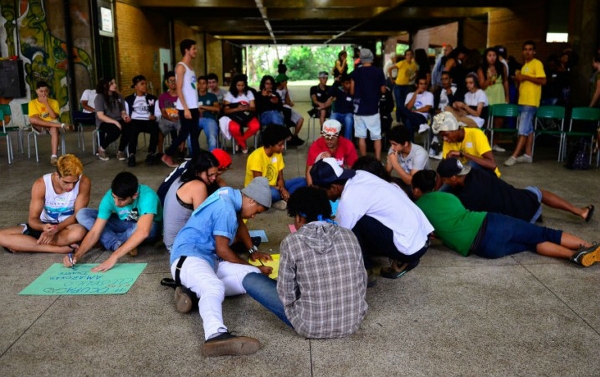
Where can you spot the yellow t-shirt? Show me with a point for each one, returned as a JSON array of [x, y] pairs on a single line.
[[475, 143], [268, 166], [530, 94], [38, 108], [406, 72]]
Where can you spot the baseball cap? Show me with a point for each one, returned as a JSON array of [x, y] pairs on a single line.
[[223, 157], [137, 79], [451, 167], [331, 127], [259, 190], [366, 56], [327, 171], [445, 122], [323, 74]]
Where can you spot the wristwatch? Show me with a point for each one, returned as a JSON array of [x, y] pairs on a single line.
[[252, 250]]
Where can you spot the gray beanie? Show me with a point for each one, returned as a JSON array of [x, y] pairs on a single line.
[[366, 56], [259, 190]]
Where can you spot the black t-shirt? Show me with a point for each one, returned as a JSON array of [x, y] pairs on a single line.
[[344, 103], [486, 192], [322, 94]]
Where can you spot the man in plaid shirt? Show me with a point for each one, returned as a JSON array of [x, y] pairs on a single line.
[[322, 281]]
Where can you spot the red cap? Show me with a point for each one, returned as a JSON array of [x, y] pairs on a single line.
[[223, 157]]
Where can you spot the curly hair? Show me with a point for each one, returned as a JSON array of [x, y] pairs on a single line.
[[310, 203], [274, 134], [68, 165]]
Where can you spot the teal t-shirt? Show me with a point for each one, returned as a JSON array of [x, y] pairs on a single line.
[[453, 223], [209, 99], [146, 202]]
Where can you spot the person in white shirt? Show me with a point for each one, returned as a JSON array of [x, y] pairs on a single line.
[[87, 115], [473, 111], [387, 224], [416, 107]]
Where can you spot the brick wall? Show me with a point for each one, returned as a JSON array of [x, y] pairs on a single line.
[[140, 35], [181, 31]]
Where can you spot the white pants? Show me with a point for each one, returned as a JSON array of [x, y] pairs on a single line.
[[211, 288]]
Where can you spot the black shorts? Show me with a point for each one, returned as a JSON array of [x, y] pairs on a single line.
[[28, 231]]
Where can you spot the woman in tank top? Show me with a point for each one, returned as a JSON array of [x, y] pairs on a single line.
[[187, 193], [55, 200]]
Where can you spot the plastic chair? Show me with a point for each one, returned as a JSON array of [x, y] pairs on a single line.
[[502, 110], [35, 133], [6, 134], [11, 127], [586, 114], [549, 112]]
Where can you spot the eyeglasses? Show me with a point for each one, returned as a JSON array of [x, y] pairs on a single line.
[[330, 137]]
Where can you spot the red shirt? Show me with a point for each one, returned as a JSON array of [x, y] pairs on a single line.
[[345, 154]]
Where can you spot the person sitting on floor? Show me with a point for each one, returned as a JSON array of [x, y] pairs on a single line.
[[405, 157], [267, 161], [55, 200], [480, 191], [203, 264], [315, 305], [493, 235], [43, 113], [469, 145], [330, 144], [386, 223], [129, 214]]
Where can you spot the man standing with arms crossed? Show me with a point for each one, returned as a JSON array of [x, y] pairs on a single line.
[[187, 102], [530, 79]]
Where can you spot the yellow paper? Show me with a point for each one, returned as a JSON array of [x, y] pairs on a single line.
[[271, 263]]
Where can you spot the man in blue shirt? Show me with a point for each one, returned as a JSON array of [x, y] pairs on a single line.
[[367, 86], [128, 215], [202, 262]]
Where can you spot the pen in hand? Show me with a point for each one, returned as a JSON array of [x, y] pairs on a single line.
[[71, 260]]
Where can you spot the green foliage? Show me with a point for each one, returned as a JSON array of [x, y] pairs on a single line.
[[303, 62]]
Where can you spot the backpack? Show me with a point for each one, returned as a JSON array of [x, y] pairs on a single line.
[[579, 156]]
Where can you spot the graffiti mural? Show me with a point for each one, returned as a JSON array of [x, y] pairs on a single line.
[[44, 54]]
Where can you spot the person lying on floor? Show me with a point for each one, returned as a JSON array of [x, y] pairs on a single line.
[[493, 235]]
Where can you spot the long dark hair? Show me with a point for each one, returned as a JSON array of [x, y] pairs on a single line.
[[203, 161], [498, 65], [233, 87], [422, 61], [265, 79], [111, 100]]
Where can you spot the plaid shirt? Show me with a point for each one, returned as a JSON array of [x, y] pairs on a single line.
[[322, 281]]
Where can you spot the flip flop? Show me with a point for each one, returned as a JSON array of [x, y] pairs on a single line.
[[590, 213]]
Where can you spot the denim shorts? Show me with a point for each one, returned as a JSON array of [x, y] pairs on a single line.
[[362, 123], [526, 116], [538, 194]]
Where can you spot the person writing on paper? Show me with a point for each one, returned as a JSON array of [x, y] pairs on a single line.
[[316, 304], [55, 200], [203, 264], [128, 215]]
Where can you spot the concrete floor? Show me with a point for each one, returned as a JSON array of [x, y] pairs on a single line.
[[525, 315]]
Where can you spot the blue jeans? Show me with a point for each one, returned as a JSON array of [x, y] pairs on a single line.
[[347, 121], [116, 231], [211, 129], [526, 116], [507, 235], [264, 290], [400, 93], [290, 185], [271, 117]]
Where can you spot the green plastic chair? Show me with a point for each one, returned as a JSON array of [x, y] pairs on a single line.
[[585, 114], [550, 113], [11, 127], [6, 134], [502, 110]]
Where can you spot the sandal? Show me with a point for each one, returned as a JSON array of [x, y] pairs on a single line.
[[393, 272], [590, 213]]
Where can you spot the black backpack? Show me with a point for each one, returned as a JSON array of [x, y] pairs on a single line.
[[579, 155]]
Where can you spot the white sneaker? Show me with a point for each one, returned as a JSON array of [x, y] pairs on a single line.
[[497, 148], [280, 205], [423, 128], [511, 161], [525, 159]]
